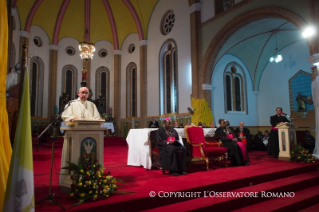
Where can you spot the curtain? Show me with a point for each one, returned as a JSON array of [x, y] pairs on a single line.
[[5, 146]]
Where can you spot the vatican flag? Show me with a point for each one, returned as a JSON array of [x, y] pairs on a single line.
[[20, 186]]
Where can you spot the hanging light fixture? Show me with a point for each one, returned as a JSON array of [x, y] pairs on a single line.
[[277, 57], [86, 49]]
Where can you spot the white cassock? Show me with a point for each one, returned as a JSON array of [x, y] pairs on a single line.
[[82, 111]]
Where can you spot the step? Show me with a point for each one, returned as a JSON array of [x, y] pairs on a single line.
[[288, 184], [313, 208], [302, 200]]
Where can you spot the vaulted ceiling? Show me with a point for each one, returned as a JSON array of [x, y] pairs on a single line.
[[111, 20], [255, 43]]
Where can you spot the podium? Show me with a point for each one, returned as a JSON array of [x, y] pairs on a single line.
[[82, 139], [286, 136]]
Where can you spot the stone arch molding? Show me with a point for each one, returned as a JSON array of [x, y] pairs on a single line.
[[74, 79], [40, 84], [235, 24]]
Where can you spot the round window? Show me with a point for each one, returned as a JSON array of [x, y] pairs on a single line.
[[103, 53], [168, 22], [131, 48], [70, 50], [37, 41]]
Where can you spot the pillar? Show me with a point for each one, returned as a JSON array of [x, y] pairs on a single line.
[[53, 68], [196, 44], [143, 83], [117, 91]]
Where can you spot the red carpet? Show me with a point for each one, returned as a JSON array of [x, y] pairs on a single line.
[[265, 174]]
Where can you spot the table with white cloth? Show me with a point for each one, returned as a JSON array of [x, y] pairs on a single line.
[[208, 132], [109, 126], [138, 147]]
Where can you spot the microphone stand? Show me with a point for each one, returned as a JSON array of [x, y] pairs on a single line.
[[50, 197]]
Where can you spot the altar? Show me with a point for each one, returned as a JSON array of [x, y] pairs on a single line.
[[82, 139]]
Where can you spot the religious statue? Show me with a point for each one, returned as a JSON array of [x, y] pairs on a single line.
[[84, 73], [302, 101], [12, 79]]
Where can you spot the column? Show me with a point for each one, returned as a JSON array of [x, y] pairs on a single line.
[[117, 91], [196, 44], [87, 65], [53, 68], [143, 83]]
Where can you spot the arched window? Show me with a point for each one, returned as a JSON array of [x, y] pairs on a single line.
[[102, 86], [131, 90], [168, 79], [36, 79], [69, 79], [228, 93], [234, 89]]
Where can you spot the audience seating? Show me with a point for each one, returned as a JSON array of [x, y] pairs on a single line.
[[154, 151], [200, 150]]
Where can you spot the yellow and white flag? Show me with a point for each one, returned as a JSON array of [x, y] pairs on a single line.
[[20, 187]]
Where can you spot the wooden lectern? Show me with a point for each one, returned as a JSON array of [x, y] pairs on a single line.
[[82, 139], [287, 136]]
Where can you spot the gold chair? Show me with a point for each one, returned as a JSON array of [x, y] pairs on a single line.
[[200, 150]]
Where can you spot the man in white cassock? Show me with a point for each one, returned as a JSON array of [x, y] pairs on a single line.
[[80, 109]]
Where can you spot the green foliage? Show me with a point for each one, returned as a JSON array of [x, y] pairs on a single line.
[[300, 154], [90, 181]]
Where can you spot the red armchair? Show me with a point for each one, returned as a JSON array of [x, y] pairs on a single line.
[[199, 150]]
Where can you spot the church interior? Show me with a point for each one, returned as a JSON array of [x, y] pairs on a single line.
[[145, 59]]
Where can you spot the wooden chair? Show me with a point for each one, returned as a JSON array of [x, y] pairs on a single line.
[[200, 150], [154, 151]]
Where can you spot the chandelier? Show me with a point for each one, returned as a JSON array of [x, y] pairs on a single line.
[[86, 50], [277, 57]]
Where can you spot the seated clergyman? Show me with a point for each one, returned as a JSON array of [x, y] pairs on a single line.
[[172, 153]]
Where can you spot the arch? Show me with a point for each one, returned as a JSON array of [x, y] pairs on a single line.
[[112, 22], [38, 85], [31, 15], [103, 70], [58, 22], [235, 24], [131, 90], [168, 84], [74, 71], [136, 19]]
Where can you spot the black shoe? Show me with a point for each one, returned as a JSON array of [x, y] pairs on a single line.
[[183, 173], [247, 164], [175, 174]]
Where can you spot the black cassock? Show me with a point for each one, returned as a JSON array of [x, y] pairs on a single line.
[[172, 156], [234, 151], [273, 141]]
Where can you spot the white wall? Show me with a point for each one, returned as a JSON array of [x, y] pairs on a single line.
[[65, 59], [274, 87], [127, 58], [207, 9], [98, 61], [217, 92], [181, 34], [43, 53]]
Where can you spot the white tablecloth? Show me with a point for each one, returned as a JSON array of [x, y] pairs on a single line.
[[138, 147], [208, 132], [109, 126]]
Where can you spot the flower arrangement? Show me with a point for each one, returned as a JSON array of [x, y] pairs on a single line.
[[300, 154], [91, 182]]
